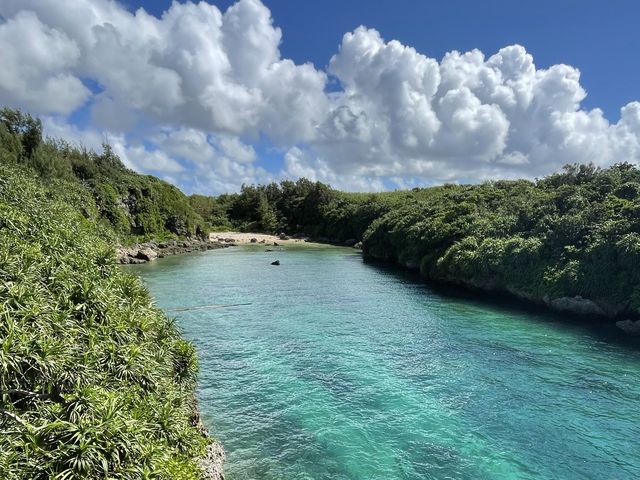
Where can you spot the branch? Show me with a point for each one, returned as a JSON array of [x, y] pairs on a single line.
[[14, 417], [25, 393]]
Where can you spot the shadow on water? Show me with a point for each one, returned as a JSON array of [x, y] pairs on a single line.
[[601, 329]]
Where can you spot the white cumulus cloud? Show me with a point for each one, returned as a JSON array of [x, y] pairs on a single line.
[[185, 94]]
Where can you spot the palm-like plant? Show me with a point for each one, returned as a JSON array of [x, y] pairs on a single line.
[[95, 382]]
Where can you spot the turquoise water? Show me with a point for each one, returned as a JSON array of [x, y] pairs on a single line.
[[331, 368]]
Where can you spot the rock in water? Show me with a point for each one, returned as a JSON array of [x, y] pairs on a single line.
[[277, 262], [629, 326], [147, 254]]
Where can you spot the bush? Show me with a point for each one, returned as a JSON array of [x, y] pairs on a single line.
[[95, 382]]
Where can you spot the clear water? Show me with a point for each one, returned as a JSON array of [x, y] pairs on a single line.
[[331, 368]]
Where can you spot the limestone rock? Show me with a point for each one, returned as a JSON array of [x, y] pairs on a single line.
[[629, 326], [147, 254], [577, 304], [212, 462]]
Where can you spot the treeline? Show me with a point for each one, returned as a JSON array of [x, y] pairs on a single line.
[[572, 234], [97, 383], [133, 206]]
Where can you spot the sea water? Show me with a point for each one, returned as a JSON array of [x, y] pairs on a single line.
[[328, 367]]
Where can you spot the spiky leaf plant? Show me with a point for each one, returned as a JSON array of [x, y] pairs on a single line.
[[95, 382]]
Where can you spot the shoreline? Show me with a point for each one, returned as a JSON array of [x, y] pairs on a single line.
[[590, 309], [242, 238], [149, 251]]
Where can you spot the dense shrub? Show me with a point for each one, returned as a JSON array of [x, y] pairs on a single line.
[[134, 206], [569, 234], [95, 382]]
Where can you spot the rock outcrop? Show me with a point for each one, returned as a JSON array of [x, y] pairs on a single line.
[[577, 305], [212, 463], [629, 326], [147, 254], [149, 251]]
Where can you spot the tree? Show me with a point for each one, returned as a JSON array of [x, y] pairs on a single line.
[[29, 129]]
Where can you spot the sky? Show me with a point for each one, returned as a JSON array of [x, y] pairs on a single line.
[[365, 96]]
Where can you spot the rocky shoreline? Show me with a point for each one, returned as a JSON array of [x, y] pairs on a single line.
[[152, 250], [212, 462], [624, 319], [149, 251]]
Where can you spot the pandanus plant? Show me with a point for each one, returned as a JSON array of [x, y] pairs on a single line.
[[95, 382]]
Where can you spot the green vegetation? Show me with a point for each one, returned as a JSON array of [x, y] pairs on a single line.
[[575, 233], [135, 207], [94, 381], [97, 383]]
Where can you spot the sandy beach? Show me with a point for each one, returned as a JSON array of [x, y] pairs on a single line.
[[239, 238]]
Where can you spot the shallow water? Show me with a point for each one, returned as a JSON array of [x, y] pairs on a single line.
[[331, 368]]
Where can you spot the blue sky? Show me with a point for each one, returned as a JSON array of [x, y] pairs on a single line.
[[397, 94]]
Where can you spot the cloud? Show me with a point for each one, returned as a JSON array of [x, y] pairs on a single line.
[[185, 94], [466, 117], [37, 63], [194, 66], [299, 163]]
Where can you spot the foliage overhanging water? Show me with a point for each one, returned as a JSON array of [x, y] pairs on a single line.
[[327, 367]]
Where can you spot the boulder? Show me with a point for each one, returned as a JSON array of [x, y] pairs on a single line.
[[146, 254], [358, 245], [283, 236], [629, 326], [254, 240], [577, 304], [277, 262], [135, 261]]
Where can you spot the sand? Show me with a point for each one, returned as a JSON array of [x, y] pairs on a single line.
[[245, 238]]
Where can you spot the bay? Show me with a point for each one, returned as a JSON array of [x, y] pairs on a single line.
[[327, 367]]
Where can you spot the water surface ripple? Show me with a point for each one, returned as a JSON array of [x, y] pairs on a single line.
[[336, 369]]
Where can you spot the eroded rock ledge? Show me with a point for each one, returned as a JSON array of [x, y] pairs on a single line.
[[212, 463], [149, 251]]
